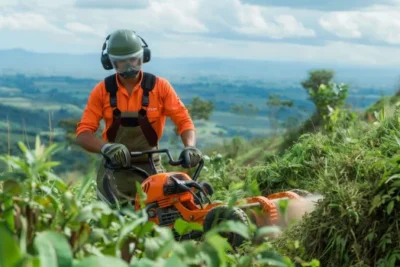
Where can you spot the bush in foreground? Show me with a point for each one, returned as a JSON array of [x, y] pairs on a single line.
[[357, 170], [46, 222]]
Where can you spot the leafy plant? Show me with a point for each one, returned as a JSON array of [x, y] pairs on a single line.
[[356, 168], [45, 222]]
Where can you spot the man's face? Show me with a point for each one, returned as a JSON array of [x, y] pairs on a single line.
[[132, 63]]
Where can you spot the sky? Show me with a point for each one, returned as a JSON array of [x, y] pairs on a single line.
[[356, 32]]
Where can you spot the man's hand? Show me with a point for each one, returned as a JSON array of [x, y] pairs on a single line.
[[191, 156], [118, 154]]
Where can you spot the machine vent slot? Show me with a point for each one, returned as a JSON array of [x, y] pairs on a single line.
[[169, 217]]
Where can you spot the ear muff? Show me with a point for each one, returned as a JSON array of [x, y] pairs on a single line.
[[146, 51], [106, 62]]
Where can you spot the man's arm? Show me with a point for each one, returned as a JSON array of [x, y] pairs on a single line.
[[90, 122], [189, 138], [88, 141]]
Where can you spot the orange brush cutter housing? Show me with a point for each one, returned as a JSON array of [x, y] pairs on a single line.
[[172, 195]]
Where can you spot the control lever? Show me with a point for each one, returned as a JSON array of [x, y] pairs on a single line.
[[182, 184]]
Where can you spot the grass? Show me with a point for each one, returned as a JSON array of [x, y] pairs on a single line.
[[356, 170]]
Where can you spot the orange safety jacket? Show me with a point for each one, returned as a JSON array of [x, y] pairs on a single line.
[[163, 102]]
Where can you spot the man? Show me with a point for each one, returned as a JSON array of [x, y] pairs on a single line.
[[134, 106]]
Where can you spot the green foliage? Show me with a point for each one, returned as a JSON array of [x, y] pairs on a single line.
[[316, 78], [69, 125], [200, 109], [275, 105], [328, 97], [325, 95], [384, 104], [47, 222], [246, 110], [275, 101], [356, 169]]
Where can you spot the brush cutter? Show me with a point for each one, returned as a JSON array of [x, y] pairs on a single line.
[[174, 195]]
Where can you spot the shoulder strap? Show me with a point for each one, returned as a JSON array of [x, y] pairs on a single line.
[[111, 87], [148, 83]]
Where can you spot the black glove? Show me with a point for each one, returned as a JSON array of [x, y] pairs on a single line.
[[118, 154], [190, 157]]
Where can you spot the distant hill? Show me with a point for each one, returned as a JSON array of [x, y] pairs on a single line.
[[88, 65]]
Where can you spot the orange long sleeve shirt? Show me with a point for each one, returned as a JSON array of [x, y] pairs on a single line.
[[163, 102]]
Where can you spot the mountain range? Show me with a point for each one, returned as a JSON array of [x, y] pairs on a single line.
[[89, 66]]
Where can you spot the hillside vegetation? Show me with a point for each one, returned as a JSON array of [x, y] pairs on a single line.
[[351, 159]]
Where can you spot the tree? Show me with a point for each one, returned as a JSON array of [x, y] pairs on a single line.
[[316, 78], [246, 110], [275, 104], [322, 92], [199, 110], [69, 125]]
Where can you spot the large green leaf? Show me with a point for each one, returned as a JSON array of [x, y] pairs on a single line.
[[183, 227], [271, 258], [216, 248], [9, 250], [174, 261], [233, 227], [127, 229], [161, 244], [53, 249], [101, 261]]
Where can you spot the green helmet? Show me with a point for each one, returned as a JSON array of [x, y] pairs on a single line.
[[125, 52], [123, 42]]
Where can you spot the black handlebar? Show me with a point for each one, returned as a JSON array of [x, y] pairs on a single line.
[[144, 173]]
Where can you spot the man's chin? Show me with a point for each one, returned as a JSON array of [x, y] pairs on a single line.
[[129, 77]]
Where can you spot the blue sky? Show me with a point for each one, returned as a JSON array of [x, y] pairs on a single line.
[[340, 31]]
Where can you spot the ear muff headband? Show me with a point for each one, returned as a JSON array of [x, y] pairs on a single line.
[[105, 59]]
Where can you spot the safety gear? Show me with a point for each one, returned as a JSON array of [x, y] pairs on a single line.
[[123, 42], [117, 154], [123, 45], [127, 66], [163, 102], [190, 157], [130, 128]]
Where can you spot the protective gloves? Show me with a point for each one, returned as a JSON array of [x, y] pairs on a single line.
[[191, 156], [118, 154]]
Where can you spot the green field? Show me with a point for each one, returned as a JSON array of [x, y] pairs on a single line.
[[34, 105]]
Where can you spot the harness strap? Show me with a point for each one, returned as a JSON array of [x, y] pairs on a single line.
[[147, 84], [111, 88]]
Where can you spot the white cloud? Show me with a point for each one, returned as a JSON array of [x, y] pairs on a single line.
[[79, 28], [336, 5], [114, 4], [178, 15], [26, 22], [340, 24], [168, 16], [330, 53], [280, 27], [64, 27], [250, 20], [378, 23]]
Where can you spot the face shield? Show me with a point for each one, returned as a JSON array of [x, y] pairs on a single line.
[[128, 66]]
